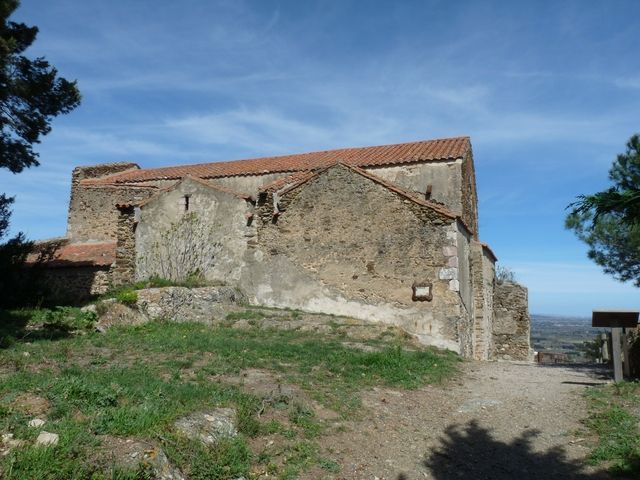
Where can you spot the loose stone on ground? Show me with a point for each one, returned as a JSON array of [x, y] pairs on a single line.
[[209, 427], [47, 439]]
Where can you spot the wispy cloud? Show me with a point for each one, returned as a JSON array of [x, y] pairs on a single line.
[[628, 82]]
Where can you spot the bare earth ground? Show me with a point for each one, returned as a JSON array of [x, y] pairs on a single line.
[[497, 421]]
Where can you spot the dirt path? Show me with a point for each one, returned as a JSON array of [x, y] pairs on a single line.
[[498, 421]]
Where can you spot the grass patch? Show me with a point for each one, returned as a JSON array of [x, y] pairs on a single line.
[[34, 324], [125, 292], [229, 459], [615, 418], [136, 381], [244, 315], [127, 296]]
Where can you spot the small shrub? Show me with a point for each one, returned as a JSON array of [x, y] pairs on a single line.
[[505, 275], [127, 297], [64, 318]]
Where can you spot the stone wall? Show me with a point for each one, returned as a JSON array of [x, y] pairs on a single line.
[[452, 183], [341, 243], [319, 248], [180, 304], [347, 245], [125, 268], [93, 215], [483, 279], [248, 184], [469, 198], [444, 177], [75, 285], [205, 234], [511, 323]]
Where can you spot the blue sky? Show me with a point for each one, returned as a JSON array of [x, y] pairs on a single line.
[[548, 91]]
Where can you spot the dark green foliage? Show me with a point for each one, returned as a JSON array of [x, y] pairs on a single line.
[[31, 93], [15, 278], [70, 318], [592, 349], [23, 285], [609, 221]]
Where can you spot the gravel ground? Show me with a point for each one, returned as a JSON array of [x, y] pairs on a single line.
[[497, 421]]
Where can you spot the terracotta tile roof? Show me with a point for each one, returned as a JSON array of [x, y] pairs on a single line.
[[79, 255], [428, 150]]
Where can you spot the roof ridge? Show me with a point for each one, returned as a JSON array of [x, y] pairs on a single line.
[[377, 155]]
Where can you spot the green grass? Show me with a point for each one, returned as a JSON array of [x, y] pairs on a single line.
[[124, 293], [136, 381], [615, 418], [33, 324]]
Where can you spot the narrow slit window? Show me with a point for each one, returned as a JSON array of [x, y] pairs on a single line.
[[186, 203]]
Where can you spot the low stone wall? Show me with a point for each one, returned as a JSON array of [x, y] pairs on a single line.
[[511, 323], [181, 304], [75, 285]]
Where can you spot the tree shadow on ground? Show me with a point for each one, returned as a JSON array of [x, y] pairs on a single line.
[[471, 452], [16, 327], [596, 371]]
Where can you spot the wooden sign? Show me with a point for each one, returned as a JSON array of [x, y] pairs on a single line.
[[615, 319]]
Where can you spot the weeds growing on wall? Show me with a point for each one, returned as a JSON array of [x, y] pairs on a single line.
[[186, 247], [505, 275]]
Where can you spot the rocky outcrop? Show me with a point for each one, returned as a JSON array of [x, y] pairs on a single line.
[[182, 304]]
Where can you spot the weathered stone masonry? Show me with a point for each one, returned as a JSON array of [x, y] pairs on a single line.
[[385, 234]]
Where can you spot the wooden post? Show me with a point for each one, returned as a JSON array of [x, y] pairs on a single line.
[[605, 348], [625, 354], [617, 355]]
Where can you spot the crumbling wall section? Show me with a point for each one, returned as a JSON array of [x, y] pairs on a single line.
[[511, 323]]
